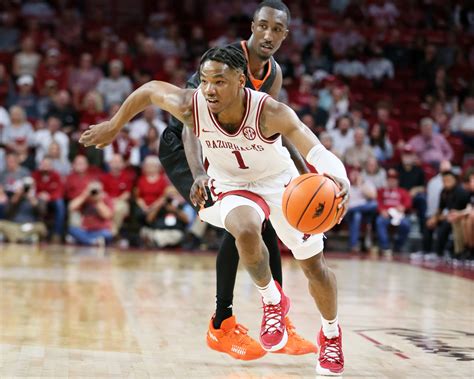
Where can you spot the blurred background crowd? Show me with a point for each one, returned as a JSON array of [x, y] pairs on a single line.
[[386, 84]]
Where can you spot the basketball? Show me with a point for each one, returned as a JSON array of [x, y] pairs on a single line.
[[310, 204]]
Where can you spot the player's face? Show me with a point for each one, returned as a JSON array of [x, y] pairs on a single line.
[[220, 85], [269, 29]]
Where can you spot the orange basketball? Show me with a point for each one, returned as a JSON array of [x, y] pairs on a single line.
[[310, 204]]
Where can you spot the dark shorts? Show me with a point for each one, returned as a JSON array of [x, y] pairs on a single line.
[[173, 159]]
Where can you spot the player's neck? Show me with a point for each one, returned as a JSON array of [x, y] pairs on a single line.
[[231, 117], [256, 64]]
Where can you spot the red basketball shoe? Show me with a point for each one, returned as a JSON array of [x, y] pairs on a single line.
[[273, 334], [331, 358]]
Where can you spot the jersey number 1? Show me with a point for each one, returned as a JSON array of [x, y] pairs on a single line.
[[240, 160]]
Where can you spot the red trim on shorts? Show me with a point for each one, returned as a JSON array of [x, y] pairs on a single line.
[[257, 199], [195, 114], [273, 138], [244, 119], [213, 189], [206, 164]]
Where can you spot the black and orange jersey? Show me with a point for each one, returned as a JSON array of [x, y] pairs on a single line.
[[262, 85]]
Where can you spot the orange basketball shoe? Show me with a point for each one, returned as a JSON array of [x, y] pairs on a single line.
[[296, 344], [232, 339]]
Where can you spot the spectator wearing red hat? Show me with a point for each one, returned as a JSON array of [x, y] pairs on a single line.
[[393, 203]]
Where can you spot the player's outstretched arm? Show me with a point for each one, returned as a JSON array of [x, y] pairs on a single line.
[[168, 97], [277, 117]]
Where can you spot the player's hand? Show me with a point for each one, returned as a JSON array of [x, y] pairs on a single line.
[[198, 194], [344, 193], [99, 135]]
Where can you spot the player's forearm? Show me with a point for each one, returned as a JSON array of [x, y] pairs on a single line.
[[103, 210], [134, 104], [193, 151], [77, 202], [295, 156]]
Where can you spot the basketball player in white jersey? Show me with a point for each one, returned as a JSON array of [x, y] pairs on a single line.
[[240, 133]]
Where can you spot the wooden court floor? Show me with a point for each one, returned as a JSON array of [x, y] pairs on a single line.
[[79, 312]]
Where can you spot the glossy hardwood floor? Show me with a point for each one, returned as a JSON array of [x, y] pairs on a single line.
[[80, 312]]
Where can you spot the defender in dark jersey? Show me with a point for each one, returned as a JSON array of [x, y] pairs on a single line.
[[269, 29]]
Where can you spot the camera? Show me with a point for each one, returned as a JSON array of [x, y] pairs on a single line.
[[95, 189], [27, 184]]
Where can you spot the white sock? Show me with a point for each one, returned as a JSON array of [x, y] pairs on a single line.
[[270, 293], [330, 327]]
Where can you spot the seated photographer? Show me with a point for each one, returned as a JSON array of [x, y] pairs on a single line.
[[167, 220], [22, 221], [50, 190], [393, 203], [96, 210]]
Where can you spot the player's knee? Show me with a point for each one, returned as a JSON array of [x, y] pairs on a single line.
[[314, 267], [248, 235]]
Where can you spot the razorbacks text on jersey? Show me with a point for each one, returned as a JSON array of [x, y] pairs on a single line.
[[244, 156]]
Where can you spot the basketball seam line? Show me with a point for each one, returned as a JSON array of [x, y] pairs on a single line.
[[332, 206], [309, 202], [289, 195]]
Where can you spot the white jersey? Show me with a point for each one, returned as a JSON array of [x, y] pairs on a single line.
[[244, 156]]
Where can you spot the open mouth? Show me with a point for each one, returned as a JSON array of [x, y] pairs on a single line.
[[266, 48], [212, 101]]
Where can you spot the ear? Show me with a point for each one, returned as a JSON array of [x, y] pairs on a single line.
[[242, 80], [252, 27], [286, 34]]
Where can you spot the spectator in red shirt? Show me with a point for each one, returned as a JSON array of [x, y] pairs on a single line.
[[51, 69], [50, 192], [151, 184], [96, 210], [118, 184], [393, 202], [76, 182]]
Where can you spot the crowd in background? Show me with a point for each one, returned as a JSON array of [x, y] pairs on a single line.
[[386, 85]]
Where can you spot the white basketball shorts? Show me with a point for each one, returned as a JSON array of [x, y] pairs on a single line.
[[265, 197]]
